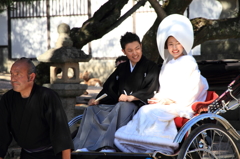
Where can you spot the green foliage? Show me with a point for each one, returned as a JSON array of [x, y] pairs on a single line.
[[10, 3], [4, 4], [43, 73]]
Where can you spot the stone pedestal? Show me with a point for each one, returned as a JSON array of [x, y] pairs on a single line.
[[68, 93], [62, 58]]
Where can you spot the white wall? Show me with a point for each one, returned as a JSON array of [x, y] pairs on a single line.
[[3, 29], [29, 37], [210, 9]]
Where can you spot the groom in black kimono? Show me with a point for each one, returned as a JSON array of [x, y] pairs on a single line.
[[127, 88], [34, 117]]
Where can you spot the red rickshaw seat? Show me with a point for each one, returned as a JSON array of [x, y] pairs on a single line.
[[211, 96]]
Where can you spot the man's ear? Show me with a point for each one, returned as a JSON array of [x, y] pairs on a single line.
[[32, 77], [123, 51]]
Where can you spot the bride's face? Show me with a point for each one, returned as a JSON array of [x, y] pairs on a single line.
[[174, 47]]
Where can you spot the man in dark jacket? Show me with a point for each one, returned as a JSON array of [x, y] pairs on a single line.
[[34, 116], [127, 88]]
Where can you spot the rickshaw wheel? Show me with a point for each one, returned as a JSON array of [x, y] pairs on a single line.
[[209, 141]]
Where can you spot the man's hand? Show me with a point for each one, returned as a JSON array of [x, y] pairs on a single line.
[[127, 98], [66, 154], [93, 102]]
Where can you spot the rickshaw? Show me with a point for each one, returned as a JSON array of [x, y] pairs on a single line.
[[207, 135]]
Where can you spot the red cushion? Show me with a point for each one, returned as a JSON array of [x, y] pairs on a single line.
[[179, 121], [211, 96]]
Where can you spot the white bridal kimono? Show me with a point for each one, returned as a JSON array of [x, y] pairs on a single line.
[[153, 128]]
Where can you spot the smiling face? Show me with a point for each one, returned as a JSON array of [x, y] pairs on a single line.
[[133, 51], [174, 47]]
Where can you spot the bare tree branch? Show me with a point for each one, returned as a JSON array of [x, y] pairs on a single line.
[[103, 21], [177, 6], [158, 9], [95, 27], [127, 14], [206, 29]]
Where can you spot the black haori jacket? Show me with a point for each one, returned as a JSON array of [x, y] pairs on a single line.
[[36, 122], [141, 82]]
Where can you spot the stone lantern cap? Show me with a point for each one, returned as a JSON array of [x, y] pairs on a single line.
[[63, 58], [64, 55], [64, 52]]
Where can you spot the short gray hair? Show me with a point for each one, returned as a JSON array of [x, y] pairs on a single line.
[[31, 66]]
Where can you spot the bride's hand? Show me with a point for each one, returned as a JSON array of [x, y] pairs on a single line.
[[166, 101], [153, 100]]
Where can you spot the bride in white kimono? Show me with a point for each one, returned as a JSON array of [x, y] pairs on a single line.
[[181, 84]]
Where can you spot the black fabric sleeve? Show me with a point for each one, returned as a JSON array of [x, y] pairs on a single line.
[[149, 85], [56, 118], [5, 135], [110, 87]]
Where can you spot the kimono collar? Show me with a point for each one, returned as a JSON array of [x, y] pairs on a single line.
[[131, 66], [143, 58], [179, 27]]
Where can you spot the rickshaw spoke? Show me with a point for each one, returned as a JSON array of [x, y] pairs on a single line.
[[209, 141]]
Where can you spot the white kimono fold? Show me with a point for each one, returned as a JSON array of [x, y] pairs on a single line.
[[150, 128], [153, 128]]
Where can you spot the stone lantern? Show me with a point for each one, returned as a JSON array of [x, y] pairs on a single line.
[[64, 69]]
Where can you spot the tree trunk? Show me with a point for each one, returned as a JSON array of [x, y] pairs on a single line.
[[205, 29]]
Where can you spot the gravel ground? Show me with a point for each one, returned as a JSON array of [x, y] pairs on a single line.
[[5, 84]]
